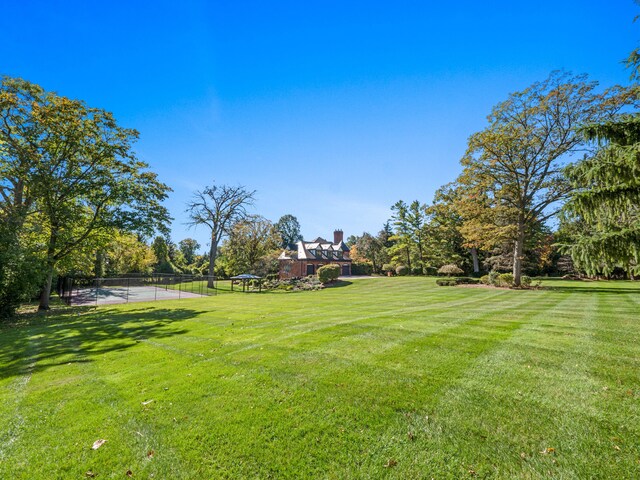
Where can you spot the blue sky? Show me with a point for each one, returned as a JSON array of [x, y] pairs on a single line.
[[331, 110]]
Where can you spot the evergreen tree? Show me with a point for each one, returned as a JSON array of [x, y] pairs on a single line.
[[607, 200]]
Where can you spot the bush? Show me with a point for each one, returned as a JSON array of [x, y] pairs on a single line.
[[446, 282], [485, 280], [505, 280], [430, 271], [402, 270], [387, 267], [328, 273], [467, 281], [416, 271], [450, 270], [361, 268], [525, 281], [493, 278]]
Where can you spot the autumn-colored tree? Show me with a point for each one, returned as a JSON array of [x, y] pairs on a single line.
[[367, 248], [515, 165], [249, 241]]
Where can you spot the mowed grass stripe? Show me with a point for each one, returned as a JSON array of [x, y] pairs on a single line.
[[329, 384]]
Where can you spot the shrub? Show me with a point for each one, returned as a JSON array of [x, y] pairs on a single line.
[[387, 267], [505, 280], [430, 271], [525, 281], [485, 280], [310, 282], [328, 273], [446, 282], [493, 278], [450, 270], [416, 271], [467, 281], [402, 270], [361, 268]]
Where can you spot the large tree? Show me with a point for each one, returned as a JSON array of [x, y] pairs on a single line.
[[606, 200], [369, 248], [445, 241], [289, 229], [126, 253], [219, 207], [248, 247], [517, 162], [601, 220], [189, 247], [71, 170]]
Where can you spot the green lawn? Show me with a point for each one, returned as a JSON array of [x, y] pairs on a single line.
[[380, 378]]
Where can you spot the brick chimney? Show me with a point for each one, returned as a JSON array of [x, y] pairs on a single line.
[[337, 236]]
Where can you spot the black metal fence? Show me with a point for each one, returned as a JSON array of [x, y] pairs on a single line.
[[134, 288]]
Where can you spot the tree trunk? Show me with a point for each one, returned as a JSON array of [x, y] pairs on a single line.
[[421, 258], [518, 254], [213, 253], [46, 290], [474, 256], [98, 265], [408, 259]]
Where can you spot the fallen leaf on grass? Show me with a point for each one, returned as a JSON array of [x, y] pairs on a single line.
[[90, 474], [147, 402], [150, 454], [523, 455], [616, 447], [391, 463], [411, 436], [548, 451], [97, 444]]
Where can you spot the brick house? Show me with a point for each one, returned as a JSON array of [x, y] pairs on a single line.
[[312, 255]]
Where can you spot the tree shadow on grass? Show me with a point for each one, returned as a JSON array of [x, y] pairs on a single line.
[[339, 283], [79, 335]]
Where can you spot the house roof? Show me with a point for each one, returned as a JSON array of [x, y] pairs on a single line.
[[316, 250]]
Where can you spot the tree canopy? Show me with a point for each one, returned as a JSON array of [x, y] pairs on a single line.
[[516, 163], [288, 228], [70, 170], [219, 207]]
